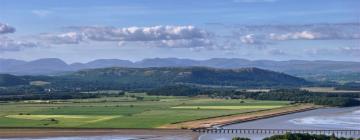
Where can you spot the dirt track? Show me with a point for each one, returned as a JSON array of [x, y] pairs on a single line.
[[205, 123]]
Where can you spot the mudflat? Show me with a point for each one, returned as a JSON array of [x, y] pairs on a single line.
[[58, 132]]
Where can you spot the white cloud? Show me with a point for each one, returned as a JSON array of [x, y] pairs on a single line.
[[185, 43], [270, 34], [277, 52], [142, 33], [158, 36], [295, 36], [248, 39], [8, 44], [253, 39], [4, 29], [41, 13], [348, 51], [351, 50], [63, 38]]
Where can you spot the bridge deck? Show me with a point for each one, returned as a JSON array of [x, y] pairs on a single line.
[[278, 131]]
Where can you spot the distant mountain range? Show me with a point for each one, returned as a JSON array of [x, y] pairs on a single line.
[[53, 66]]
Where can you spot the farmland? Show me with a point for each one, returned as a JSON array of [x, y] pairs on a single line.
[[328, 90], [129, 111]]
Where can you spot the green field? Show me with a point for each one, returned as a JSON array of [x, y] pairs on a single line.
[[123, 112], [228, 107], [328, 90]]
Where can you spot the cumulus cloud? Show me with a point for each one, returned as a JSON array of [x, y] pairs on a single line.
[[184, 43], [41, 13], [159, 36], [351, 50], [141, 33], [63, 38], [276, 52], [252, 39], [8, 44], [4, 29], [267, 33], [248, 39], [295, 36]]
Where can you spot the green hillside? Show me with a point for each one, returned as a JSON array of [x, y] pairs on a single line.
[[156, 77], [11, 80], [145, 78]]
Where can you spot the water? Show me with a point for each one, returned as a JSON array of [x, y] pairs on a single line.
[[341, 120], [79, 138], [108, 137], [327, 119]]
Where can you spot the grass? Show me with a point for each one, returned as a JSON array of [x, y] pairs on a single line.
[[123, 112], [227, 107], [328, 90], [64, 120]]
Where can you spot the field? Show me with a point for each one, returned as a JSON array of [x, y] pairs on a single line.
[[227, 107], [128, 111], [328, 90]]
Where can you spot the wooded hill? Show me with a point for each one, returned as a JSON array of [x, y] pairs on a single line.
[[145, 78]]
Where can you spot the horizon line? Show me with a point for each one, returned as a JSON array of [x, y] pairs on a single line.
[[136, 61]]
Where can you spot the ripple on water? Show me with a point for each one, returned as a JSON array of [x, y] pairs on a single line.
[[349, 120], [108, 137], [78, 138]]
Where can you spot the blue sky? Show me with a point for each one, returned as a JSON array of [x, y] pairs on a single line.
[[83, 30]]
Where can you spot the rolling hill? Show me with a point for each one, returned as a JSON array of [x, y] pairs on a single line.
[[12, 80], [122, 78], [312, 69]]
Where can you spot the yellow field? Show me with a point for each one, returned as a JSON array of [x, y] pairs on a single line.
[[65, 120], [227, 107]]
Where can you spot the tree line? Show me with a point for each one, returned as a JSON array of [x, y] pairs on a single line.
[[296, 95]]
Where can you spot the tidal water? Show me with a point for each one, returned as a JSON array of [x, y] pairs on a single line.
[[111, 137], [326, 118], [78, 138]]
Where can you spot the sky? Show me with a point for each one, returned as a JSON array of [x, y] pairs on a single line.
[[85, 30]]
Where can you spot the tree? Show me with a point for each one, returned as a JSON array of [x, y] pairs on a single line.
[[239, 138]]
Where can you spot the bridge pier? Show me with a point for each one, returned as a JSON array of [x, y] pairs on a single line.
[[278, 131]]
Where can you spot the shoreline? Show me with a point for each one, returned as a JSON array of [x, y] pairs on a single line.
[[74, 132], [270, 115], [239, 118]]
